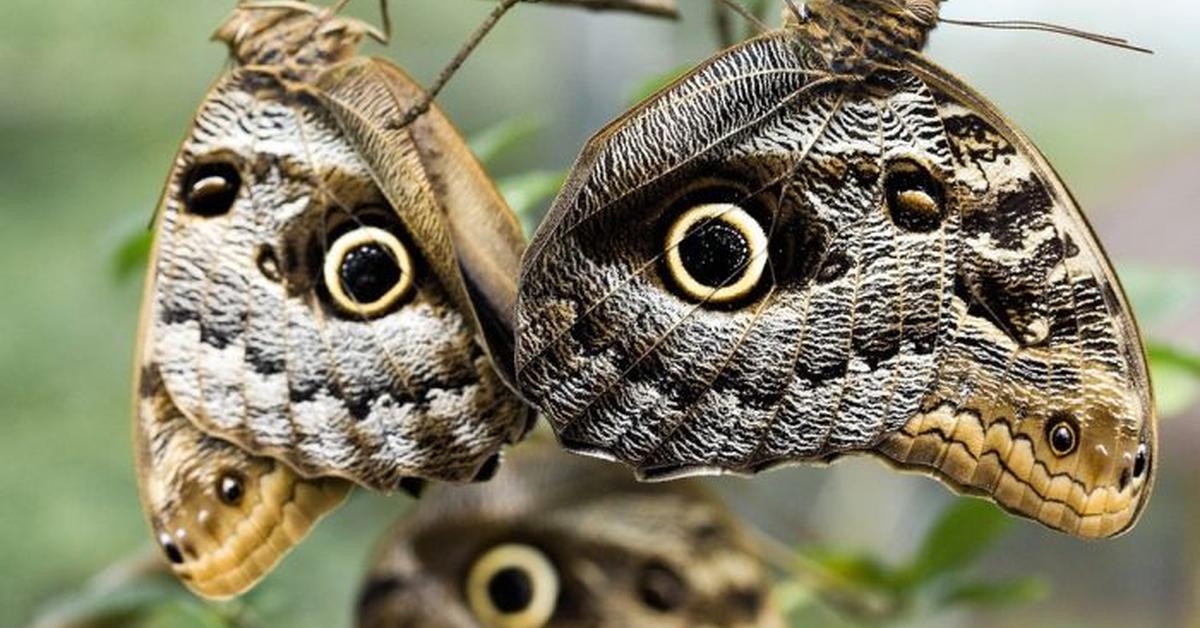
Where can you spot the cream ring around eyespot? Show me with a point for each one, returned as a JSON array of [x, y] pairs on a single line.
[[337, 255], [733, 216], [536, 566]]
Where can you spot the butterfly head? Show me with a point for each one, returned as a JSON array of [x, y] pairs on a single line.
[[299, 39], [855, 32]]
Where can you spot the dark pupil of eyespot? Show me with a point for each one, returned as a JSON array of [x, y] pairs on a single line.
[[231, 490], [210, 188], [511, 590], [171, 550], [368, 272], [714, 253], [1140, 462], [661, 588], [905, 181], [1062, 438]]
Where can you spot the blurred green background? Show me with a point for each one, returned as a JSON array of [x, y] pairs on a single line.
[[94, 97]]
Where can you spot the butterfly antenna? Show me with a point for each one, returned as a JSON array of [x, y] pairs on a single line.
[[722, 25], [1024, 25], [447, 73], [385, 17], [751, 18]]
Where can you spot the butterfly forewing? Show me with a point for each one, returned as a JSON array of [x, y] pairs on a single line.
[[926, 276]]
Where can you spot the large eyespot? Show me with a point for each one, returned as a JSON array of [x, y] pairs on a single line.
[[513, 586], [211, 187], [367, 271], [1062, 434], [660, 587], [916, 200], [716, 253], [231, 488]]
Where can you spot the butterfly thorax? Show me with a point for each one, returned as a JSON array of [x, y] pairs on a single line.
[[291, 42], [855, 36]]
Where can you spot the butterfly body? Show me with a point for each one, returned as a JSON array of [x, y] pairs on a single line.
[[930, 293], [324, 299]]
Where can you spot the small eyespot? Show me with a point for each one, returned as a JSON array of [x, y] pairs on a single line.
[[268, 264], [1141, 461], [170, 549], [231, 488], [916, 200], [513, 586], [367, 271], [716, 253], [661, 588], [211, 187], [1062, 435]]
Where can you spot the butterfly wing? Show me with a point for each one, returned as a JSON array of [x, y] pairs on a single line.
[[222, 517], [1046, 348], [427, 167], [595, 548], [298, 314], [769, 263]]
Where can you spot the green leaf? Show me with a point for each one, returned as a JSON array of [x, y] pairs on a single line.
[[132, 254], [791, 596], [187, 614], [1176, 376], [965, 531], [860, 571], [500, 139], [1160, 294], [1165, 354], [1015, 592], [529, 192], [650, 85]]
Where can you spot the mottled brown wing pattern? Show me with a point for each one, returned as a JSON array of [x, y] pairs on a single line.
[[251, 348], [923, 265], [593, 547], [831, 353]]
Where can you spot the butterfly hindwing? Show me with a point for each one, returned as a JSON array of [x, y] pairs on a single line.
[[921, 285], [1046, 343], [222, 518]]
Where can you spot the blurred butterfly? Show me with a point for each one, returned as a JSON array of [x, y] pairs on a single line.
[[559, 540], [326, 294], [820, 243]]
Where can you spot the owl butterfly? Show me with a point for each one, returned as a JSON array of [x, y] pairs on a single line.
[[820, 243], [559, 540], [318, 288]]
